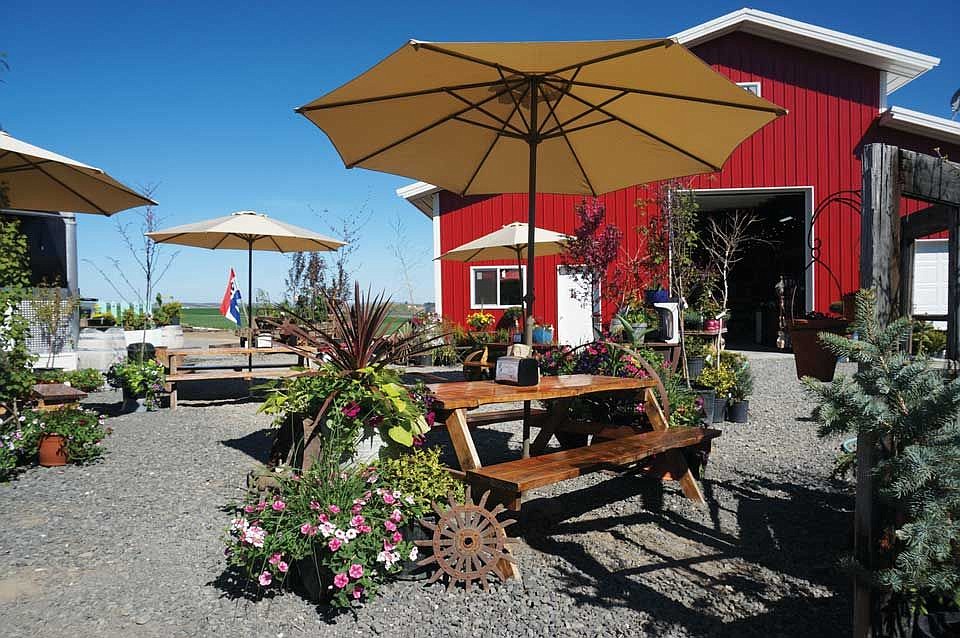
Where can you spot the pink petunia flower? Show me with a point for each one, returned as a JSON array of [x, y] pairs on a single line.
[[308, 530], [265, 578], [334, 544], [388, 498], [283, 567], [261, 506], [357, 521], [397, 537], [249, 509], [390, 525], [364, 529], [279, 506], [323, 518], [340, 580], [357, 592], [334, 509], [314, 505], [351, 410], [356, 509], [396, 516], [355, 571], [275, 558]]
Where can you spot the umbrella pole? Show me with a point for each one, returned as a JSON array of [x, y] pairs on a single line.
[[531, 238], [250, 303]]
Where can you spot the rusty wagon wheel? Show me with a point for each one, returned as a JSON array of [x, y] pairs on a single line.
[[469, 543]]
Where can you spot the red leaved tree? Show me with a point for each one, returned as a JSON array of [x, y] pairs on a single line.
[[595, 245]]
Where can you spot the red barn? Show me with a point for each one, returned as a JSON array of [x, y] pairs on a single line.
[[797, 173]]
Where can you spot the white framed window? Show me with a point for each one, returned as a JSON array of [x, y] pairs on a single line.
[[753, 87], [496, 286]]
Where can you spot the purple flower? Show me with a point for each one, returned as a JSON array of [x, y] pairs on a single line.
[[351, 410]]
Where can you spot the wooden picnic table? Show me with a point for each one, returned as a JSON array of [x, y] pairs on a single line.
[[625, 447], [173, 359]]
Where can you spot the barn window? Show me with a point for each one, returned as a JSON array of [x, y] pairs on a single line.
[[753, 87], [495, 287]]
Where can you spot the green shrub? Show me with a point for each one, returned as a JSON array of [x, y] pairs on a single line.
[[721, 378], [16, 360], [140, 379], [927, 339], [421, 475], [88, 379], [82, 429]]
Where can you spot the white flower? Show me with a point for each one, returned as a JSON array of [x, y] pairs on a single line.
[[351, 534], [414, 553], [342, 535], [409, 500]]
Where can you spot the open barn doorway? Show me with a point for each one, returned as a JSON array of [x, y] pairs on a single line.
[[779, 249]]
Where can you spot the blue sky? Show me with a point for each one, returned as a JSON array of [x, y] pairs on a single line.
[[199, 97]]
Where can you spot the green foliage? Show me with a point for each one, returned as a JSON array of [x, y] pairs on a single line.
[[18, 442], [166, 314], [14, 254], [83, 430], [911, 411], [445, 355], [348, 527], [721, 378], [927, 339], [697, 347], [686, 407], [743, 382], [87, 379], [421, 475], [16, 360], [352, 406], [139, 378], [133, 319]]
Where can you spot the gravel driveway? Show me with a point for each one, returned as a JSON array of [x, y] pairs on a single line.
[[131, 546]]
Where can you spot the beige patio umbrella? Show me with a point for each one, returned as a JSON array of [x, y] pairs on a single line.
[[558, 117], [250, 231], [509, 242], [40, 180]]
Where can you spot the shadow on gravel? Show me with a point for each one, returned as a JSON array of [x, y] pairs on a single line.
[[787, 533], [256, 444]]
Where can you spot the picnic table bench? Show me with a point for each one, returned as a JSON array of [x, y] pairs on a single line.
[[173, 359], [625, 447]]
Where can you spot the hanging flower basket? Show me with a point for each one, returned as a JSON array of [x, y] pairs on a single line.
[[812, 358]]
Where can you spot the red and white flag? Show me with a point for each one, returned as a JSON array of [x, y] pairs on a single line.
[[230, 306]]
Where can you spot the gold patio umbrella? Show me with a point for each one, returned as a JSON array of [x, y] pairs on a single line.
[[250, 231], [40, 180], [558, 117]]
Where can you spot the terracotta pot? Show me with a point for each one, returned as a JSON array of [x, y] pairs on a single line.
[[812, 357], [52, 452]]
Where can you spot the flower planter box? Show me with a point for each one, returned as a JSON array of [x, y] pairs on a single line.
[[811, 357]]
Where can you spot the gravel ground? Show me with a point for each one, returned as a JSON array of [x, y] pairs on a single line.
[[131, 546]]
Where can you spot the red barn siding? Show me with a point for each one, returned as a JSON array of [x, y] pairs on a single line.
[[832, 104]]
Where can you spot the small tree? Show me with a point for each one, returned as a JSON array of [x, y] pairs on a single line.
[[595, 245], [53, 310], [406, 258], [726, 239], [14, 253], [910, 410], [149, 256]]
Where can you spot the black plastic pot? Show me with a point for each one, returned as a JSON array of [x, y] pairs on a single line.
[[707, 395], [719, 409], [738, 411], [695, 367], [414, 531], [311, 579]]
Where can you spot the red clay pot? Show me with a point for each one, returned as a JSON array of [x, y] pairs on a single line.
[[812, 357], [52, 452]]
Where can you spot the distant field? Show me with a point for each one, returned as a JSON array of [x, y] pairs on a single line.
[[211, 318], [205, 318]]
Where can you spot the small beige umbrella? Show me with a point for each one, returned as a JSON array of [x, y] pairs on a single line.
[[41, 180], [509, 242], [250, 231]]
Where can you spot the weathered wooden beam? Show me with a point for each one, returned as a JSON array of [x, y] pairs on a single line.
[[879, 269], [928, 178], [928, 221], [953, 287]]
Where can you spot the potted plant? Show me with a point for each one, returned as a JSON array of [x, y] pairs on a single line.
[[738, 409], [337, 534], [721, 379], [421, 475], [656, 295], [697, 351], [141, 381], [70, 435], [479, 321], [692, 319], [511, 320], [811, 356]]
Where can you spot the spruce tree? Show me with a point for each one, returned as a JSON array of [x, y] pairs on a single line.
[[911, 409]]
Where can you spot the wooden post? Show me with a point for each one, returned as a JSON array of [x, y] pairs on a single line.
[[879, 269]]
